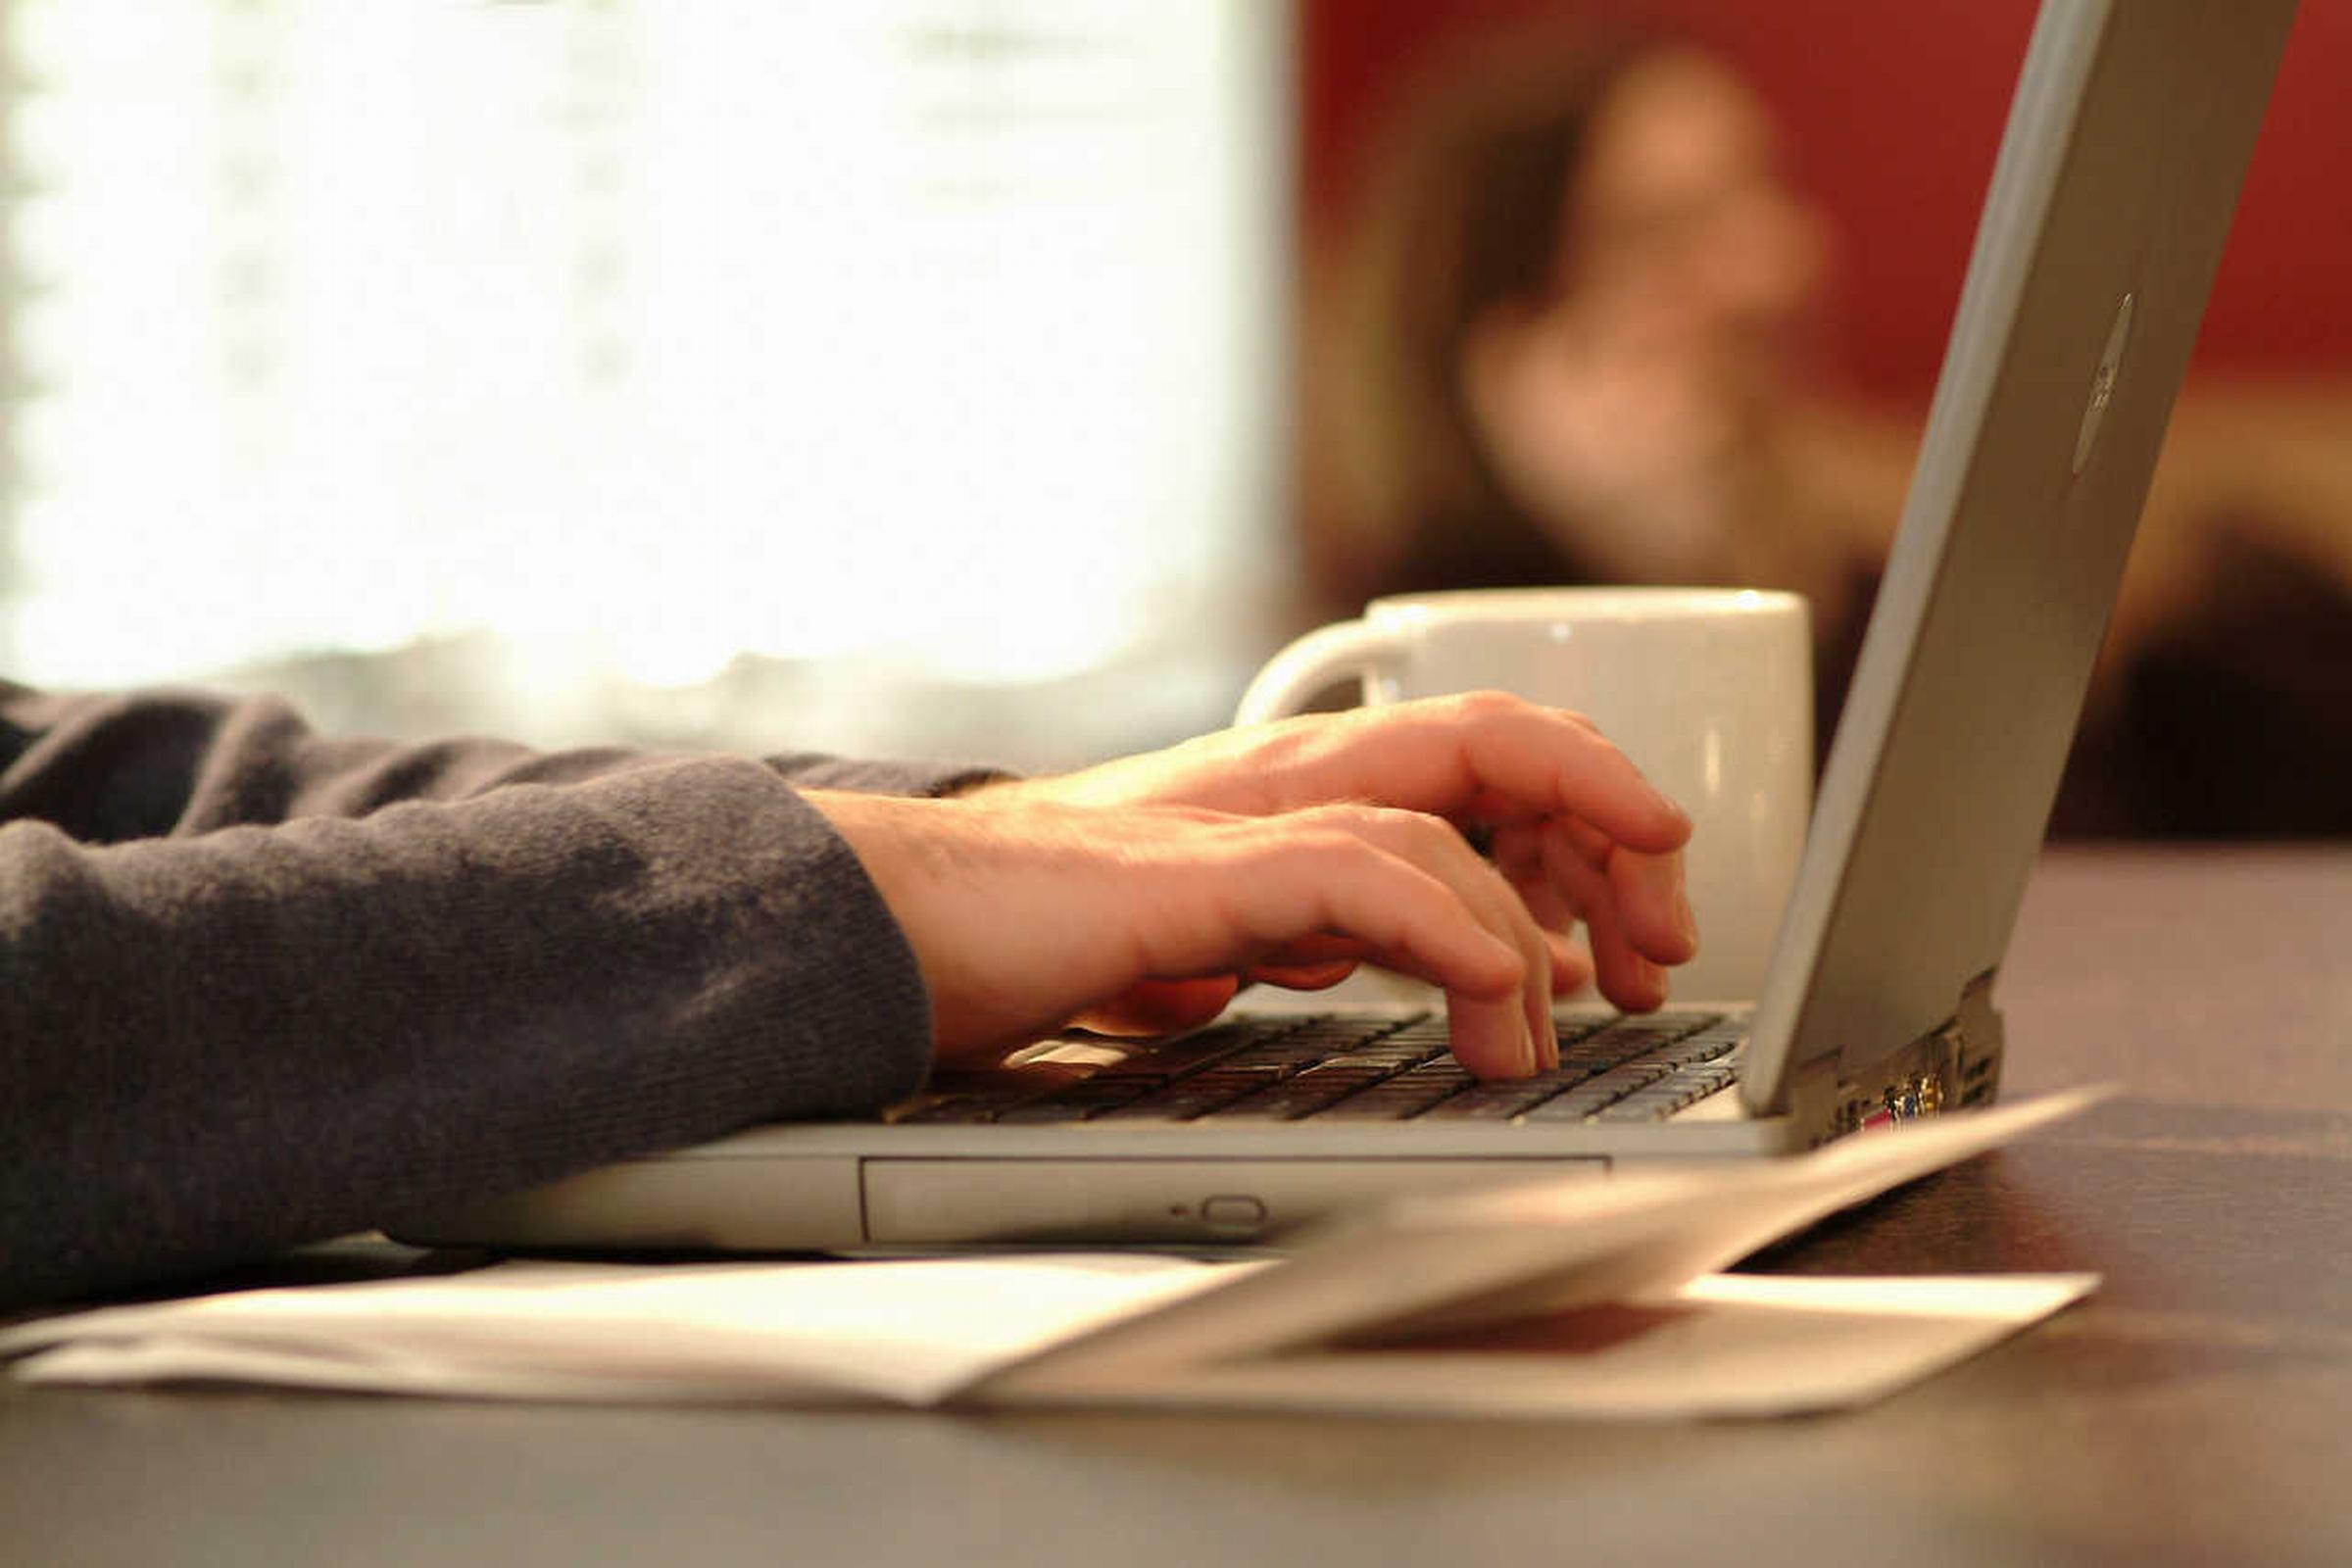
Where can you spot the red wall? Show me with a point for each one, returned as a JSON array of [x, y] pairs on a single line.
[[1893, 111]]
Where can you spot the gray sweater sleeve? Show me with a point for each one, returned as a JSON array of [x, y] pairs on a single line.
[[258, 987]]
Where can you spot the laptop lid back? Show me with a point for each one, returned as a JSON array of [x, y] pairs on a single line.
[[2112, 196]]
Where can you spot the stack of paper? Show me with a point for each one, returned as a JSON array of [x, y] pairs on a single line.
[[1566, 1298]]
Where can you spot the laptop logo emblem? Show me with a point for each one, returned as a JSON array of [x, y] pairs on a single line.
[[2102, 384]]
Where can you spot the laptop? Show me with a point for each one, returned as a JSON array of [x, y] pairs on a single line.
[[2117, 174]]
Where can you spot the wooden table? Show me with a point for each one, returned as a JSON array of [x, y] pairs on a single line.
[[2198, 1409]]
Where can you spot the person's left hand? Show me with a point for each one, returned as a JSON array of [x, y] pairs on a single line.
[[1571, 821]]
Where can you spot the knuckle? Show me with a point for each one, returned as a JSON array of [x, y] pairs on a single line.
[[1349, 817], [1488, 704], [1597, 744], [1414, 832], [1285, 745], [1327, 844]]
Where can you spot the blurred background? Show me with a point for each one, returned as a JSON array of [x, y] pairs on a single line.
[[1008, 377]]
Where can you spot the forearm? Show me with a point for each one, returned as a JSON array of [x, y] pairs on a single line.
[[215, 1046]]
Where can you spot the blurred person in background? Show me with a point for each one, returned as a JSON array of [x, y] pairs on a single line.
[[1570, 340]]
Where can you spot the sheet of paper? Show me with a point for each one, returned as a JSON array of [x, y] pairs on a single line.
[[908, 1332], [1482, 1257], [1729, 1344]]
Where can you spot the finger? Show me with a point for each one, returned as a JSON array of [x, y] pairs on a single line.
[[1627, 977], [1299, 879], [1519, 857], [1315, 949], [1301, 976], [1436, 848], [1571, 968], [1489, 1029], [1160, 1007], [1653, 906], [1588, 840], [1511, 756], [1653, 900], [1431, 910]]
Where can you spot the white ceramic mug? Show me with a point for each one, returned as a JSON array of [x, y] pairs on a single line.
[[1709, 690]]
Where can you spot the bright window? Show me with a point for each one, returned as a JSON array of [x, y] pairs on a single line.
[[935, 336]]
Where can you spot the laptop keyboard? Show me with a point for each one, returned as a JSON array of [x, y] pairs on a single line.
[[1335, 1068]]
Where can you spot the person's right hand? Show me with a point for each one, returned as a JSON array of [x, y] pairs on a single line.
[[1026, 920], [1579, 833]]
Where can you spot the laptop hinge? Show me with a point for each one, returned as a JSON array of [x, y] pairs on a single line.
[[1976, 1045], [1956, 1063]]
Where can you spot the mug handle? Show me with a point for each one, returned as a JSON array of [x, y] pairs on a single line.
[[1309, 664]]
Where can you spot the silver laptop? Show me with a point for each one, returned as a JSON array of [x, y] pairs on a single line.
[[2118, 174]]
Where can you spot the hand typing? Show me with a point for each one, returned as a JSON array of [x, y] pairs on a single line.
[[1141, 895]]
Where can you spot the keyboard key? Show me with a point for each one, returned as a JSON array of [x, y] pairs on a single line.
[[1473, 1105], [1177, 1103], [1574, 1106], [1506, 1100], [1603, 1090], [1668, 1094], [1280, 1104], [1345, 1034], [1053, 1109], [952, 1113], [1384, 1104]]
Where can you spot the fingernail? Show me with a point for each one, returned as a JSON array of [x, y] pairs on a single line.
[[1530, 1062], [1685, 921]]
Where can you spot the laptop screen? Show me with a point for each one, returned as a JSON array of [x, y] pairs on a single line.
[[2111, 197]]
